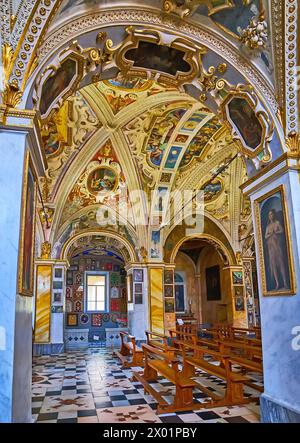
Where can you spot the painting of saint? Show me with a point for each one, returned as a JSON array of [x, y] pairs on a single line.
[[213, 285], [246, 122], [158, 58], [56, 84], [27, 238], [276, 253], [102, 179]]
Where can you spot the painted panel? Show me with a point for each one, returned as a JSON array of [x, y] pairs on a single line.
[[172, 158], [43, 304], [156, 300]]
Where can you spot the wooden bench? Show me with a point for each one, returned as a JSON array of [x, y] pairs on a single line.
[[160, 341], [129, 348], [157, 362], [249, 358], [191, 338], [183, 331], [234, 393]]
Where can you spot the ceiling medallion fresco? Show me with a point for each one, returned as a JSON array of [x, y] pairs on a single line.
[[212, 190], [97, 184]]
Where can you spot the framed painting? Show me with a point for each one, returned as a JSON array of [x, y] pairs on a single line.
[[138, 288], [96, 320], [168, 277], [237, 277], [275, 254], [57, 284], [138, 299], [26, 250], [138, 275], [58, 272], [114, 292], [169, 305], [114, 305], [57, 297], [169, 292], [213, 285], [239, 304], [72, 319]]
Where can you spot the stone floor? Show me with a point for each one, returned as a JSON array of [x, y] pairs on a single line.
[[91, 387]]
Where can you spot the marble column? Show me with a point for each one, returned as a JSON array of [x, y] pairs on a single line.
[[280, 314], [138, 313], [17, 135], [49, 312], [156, 301]]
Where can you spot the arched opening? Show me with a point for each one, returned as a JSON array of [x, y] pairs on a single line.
[[204, 290]]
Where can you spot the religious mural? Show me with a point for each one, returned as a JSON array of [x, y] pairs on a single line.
[[161, 134], [212, 190], [56, 84], [102, 179], [244, 119], [158, 58], [198, 143]]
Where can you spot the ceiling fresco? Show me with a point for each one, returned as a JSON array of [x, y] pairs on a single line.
[[168, 144], [148, 115]]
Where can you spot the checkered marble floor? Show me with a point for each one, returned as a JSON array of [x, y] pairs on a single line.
[[91, 387]]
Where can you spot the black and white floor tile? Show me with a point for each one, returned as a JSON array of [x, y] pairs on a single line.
[[91, 387]]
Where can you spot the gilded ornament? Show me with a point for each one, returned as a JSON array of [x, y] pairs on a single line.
[[293, 142], [45, 250]]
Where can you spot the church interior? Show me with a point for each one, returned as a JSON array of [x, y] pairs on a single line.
[[150, 211]]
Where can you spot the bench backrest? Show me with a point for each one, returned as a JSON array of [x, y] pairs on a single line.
[[155, 336], [127, 338]]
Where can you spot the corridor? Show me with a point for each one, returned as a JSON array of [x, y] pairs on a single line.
[[91, 387]]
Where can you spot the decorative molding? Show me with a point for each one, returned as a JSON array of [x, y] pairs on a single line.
[[5, 13], [32, 22], [45, 250], [255, 36], [291, 61], [191, 31]]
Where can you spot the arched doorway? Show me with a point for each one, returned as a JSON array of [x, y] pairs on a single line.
[[203, 288]]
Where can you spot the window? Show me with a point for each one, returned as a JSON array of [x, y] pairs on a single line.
[[179, 292], [96, 290]]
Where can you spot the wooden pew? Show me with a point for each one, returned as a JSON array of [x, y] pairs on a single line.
[[129, 348], [183, 332], [234, 394], [191, 338], [160, 341], [157, 362], [249, 358]]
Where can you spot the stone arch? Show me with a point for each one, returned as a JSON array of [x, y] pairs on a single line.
[[132, 256]]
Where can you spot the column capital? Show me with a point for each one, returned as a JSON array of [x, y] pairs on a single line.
[[287, 161], [28, 123]]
